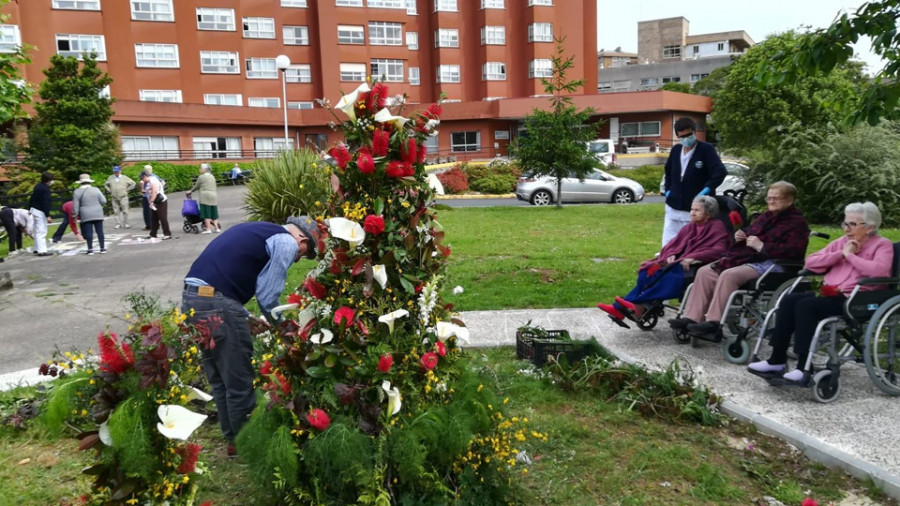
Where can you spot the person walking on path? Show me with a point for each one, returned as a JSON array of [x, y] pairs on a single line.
[[69, 214], [118, 185], [145, 199], [16, 221], [159, 205], [693, 168], [88, 206], [40, 210], [247, 259], [209, 209]]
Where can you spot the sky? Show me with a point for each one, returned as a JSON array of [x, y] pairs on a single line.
[[617, 21]]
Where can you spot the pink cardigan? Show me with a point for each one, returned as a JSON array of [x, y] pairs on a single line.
[[874, 260]]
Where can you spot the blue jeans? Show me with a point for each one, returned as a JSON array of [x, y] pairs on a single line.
[[88, 228], [145, 204], [61, 231]]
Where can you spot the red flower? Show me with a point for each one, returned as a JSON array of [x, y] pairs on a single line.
[[294, 298], [343, 316], [421, 153], [380, 142], [735, 218], [377, 97], [395, 169], [335, 267], [266, 368], [114, 358], [188, 458], [385, 362], [830, 291], [373, 224], [429, 360], [809, 502], [410, 154], [441, 348], [418, 288], [283, 382], [652, 269], [364, 161], [434, 111], [408, 169], [341, 155], [318, 419], [315, 288]]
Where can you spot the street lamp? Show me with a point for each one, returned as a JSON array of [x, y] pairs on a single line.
[[282, 62]]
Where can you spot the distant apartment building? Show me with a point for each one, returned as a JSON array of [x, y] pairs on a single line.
[[615, 58]]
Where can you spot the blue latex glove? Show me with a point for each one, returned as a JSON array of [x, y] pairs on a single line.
[[667, 192], [704, 191]]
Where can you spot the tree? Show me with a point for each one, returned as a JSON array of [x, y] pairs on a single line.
[[749, 115], [679, 87], [822, 51], [556, 142], [72, 131], [711, 84], [14, 92]]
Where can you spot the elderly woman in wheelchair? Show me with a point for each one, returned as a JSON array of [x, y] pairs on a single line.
[[701, 241], [860, 253]]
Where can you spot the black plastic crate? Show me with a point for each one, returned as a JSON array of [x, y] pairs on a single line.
[[535, 347]]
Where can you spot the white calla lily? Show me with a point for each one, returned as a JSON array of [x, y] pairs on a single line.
[[178, 422], [458, 290], [435, 184], [446, 330], [380, 274], [105, 436], [347, 102], [462, 334], [395, 401], [385, 116], [389, 318], [323, 337], [432, 124], [348, 230], [277, 310], [196, 393]]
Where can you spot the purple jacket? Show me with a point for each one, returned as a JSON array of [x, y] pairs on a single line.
[[785, 236], [704, 242]]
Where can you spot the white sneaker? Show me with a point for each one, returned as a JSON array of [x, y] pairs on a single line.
[[765, 366], [205, 232], [127, 226], [118, 226], [795, 375]]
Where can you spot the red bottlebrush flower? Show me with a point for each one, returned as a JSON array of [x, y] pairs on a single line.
[[294, 298], [318, 419], [189, 458], [266, 368], [377, 97], [364, 161], [380, 141], [408, 169], [445, 250], [809, 502], [343, 316], [429, 360], [385, 362], [114, 358], [315, 288], [441, 348], [735, 218], [434, 111], [418, 287], [395, 169], [830, 291], [341, 155], [373, 224], [410, 154], [421, 154], [653, 269], [283, 382]]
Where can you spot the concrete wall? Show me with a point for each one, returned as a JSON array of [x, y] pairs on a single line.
[[654, 34], [682, 69]]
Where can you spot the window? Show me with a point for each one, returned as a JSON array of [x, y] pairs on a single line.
[[301, 73], [696, 50], [296, 35], [268, 147], [348, 34], [10, 38], [259, 28], [493, 71], [269, 102], [649, 81], [300, 105], [76, 45], [621, 85], [465, 141], [721, 46], [223, 99], [146, 147], [215, 19], [389, 70], [348, 3], [671, 52], [414, 76], [493, 35], [540, 32], [412, 40], [152, 10], [604, 86], [431, 144], [540, 2], [217, 147], [445, 6], [353, 71], [81, 5], [446, 37], [156, 55], [385, 34], [293, 3], [492, 4], [540, 68], [697, 77], [219, 62], [447, 74], [411, 8], [642, 129], [105, 92], [388, 4], [671, 79], [261, 68], [160, 96]]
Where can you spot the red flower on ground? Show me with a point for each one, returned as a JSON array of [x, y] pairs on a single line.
[[341, 155], [410, 154], [441, 348], [343, 316], [809, 502], [373, 224], [385, 362], [380, 141], [315, 288], [830, 291], [735, 218], [395, 169], [113, 357], [429, 360], [364, 161], [294, 298], [266, 368], [189, 458], [318, 419]]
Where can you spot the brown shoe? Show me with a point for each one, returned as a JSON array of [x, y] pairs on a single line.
[[231, 451]]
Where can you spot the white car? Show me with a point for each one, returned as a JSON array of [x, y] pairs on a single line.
[[734, 180], [598, 186]]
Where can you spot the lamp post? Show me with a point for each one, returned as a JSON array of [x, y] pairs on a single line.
[[282, 62]]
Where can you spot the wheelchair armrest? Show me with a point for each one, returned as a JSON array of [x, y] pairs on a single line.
[[783, 262], [877, 281], [823, 235], [807, 272]]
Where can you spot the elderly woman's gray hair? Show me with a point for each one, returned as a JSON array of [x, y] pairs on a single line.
[[869, 212], [204, 167], [710, 206], [143, 174]]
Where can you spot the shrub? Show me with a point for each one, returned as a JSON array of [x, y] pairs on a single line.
[[495, 183], [648, 175], [498, 176], [293, 183], [454, 180]]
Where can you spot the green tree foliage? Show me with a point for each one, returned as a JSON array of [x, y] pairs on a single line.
[[14, 92], [556, 141], [679, 87], [72, 131], [823, 51], [752, 116], [711, 84]]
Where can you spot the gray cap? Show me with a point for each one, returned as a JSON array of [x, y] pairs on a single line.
[[308, 227]]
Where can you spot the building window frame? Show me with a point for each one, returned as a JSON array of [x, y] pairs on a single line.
[[216, 147], [446, 6], [352, 72], [79, 39], [156, 56], [671, 52], [299, 4], [388, 70], [447, 74], [540, 68], [387, 4], [352, 34], [299, 73], [348, 3], [10, 38], [158, 147], [446, 37], [301, 105], [532, 3], [222, 99], [412, 41], [671, 79], [493, 71], [264, 102], [258, 28], [414, 76], [261, 68], [268, 147], [171, 96], [295, 35], [540, 32], [220, 62], [465, 142], [493, 4], [640, 129], [152, 10], [383, 33], [222, 19], [493, 35], [76, 5]]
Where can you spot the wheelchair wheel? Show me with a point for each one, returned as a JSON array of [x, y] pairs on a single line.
[[681, 336], [882, 347], [648, 321], [736, 351], [825, 386], [187, 228]]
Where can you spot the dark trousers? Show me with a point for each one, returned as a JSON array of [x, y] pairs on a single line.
[[664, 285], [799, 314], [160, 216], [61, 231], [227, 365], [12, 231], [145, 204], [88, 228]]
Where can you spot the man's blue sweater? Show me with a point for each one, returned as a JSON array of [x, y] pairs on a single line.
[[704, 170]]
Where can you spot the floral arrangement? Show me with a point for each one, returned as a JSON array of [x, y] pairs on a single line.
[[128, 404], [368, 400]]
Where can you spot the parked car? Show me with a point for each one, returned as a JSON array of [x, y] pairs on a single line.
[[734, 180], [603, 150], [598, 186]]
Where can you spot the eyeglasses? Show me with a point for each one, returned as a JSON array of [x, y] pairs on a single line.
[[685, 136], [774, 199], [851, 224]]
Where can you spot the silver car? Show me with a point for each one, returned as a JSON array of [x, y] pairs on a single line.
[[734, 180], [598, 186]]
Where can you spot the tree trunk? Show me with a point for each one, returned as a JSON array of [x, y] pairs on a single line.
[[559, 193]]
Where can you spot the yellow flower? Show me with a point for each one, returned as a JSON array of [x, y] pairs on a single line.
[[315, 166], [301, 186], [84, 412], [128, 317], [92, 381], [192, 311]]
